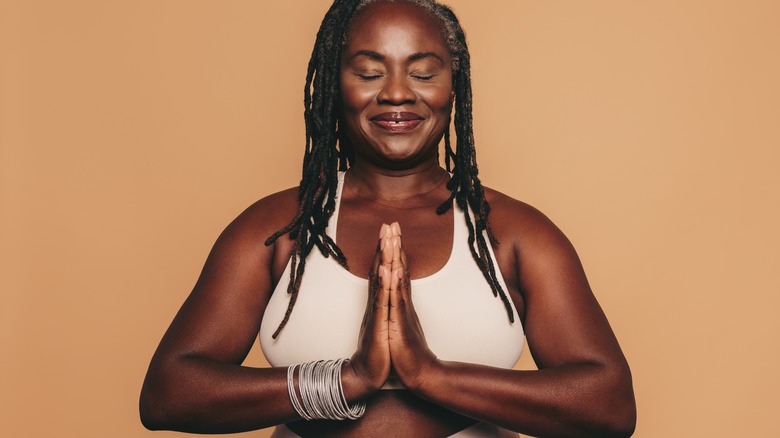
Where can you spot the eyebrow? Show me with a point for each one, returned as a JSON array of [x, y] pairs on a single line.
[[380, 57]]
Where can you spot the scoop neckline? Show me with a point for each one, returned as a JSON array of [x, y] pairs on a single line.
[[334, 220]]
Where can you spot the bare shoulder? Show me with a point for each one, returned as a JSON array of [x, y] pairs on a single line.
[[520, 223], [545, 262], [265, 216], [242, 244]]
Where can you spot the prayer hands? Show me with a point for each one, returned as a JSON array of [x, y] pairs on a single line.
[[391, 336]]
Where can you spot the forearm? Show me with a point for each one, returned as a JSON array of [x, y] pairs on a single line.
[[578, 400], [206, 396], [192, 394]]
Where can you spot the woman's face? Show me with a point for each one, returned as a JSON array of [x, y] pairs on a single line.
[[396, 85]]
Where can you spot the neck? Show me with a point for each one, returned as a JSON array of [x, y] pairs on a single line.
[[396, 185]]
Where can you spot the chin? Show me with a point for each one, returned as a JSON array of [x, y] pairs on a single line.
[[400, 155]]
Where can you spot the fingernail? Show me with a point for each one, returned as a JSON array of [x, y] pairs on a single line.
[[383, 230]]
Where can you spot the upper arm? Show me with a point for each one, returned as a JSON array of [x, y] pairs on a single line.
[[564, 323], [222, 315]]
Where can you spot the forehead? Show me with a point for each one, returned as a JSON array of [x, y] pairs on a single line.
[[400, 24]]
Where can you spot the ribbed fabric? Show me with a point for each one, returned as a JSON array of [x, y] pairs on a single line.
[[461, 319]]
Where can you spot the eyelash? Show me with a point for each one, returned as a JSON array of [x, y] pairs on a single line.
[[372, 77]]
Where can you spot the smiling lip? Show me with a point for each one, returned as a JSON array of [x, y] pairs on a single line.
[[397, 122]]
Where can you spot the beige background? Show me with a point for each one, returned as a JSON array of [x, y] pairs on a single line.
[[132, 132]]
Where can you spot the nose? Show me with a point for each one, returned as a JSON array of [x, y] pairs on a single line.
[[396, 91]]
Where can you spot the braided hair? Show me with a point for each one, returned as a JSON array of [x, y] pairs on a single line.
[[325, 155]]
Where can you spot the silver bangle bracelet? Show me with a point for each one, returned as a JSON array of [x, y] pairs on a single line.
[[322, 392], [291, 390]]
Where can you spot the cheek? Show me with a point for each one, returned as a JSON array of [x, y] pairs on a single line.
[[353, 97], [349, 100], [439, 100], [440, 96]]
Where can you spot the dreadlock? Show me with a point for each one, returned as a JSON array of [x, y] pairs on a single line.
[[325, 155]]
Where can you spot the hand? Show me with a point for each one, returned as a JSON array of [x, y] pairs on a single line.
[[371, 362], [409, 352]]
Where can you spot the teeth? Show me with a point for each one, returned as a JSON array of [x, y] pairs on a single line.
[[397, 123]]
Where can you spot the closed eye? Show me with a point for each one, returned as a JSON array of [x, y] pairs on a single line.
[[368, 76]]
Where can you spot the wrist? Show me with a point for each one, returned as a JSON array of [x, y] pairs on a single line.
[[355, 387], [321, 390], [428, 376]]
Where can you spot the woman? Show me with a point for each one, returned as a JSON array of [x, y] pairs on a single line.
[[433, 331]]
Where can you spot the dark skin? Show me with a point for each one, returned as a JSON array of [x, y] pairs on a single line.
[[395, 62]]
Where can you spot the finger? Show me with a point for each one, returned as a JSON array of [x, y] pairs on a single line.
[[397, 300], [386, 280], [384, 230], [397, 232], [373, 273], [387, 247], [382, 299], [382, 304], [377, 312], [374, 302], [396, 242]]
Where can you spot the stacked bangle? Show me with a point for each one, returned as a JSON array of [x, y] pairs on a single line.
[[322, 394]]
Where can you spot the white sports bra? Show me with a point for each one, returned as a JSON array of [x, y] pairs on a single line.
[[461, 319]]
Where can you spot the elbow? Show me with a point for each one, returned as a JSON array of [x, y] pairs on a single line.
[[158, 406], [169, 400], [625, 423], [619, 415], [151, 408], [161, 412], [607, 408], [622, 422], [615, 420], [150, 422]]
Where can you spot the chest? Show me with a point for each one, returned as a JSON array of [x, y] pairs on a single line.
[[427, 237], [460, 318]]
